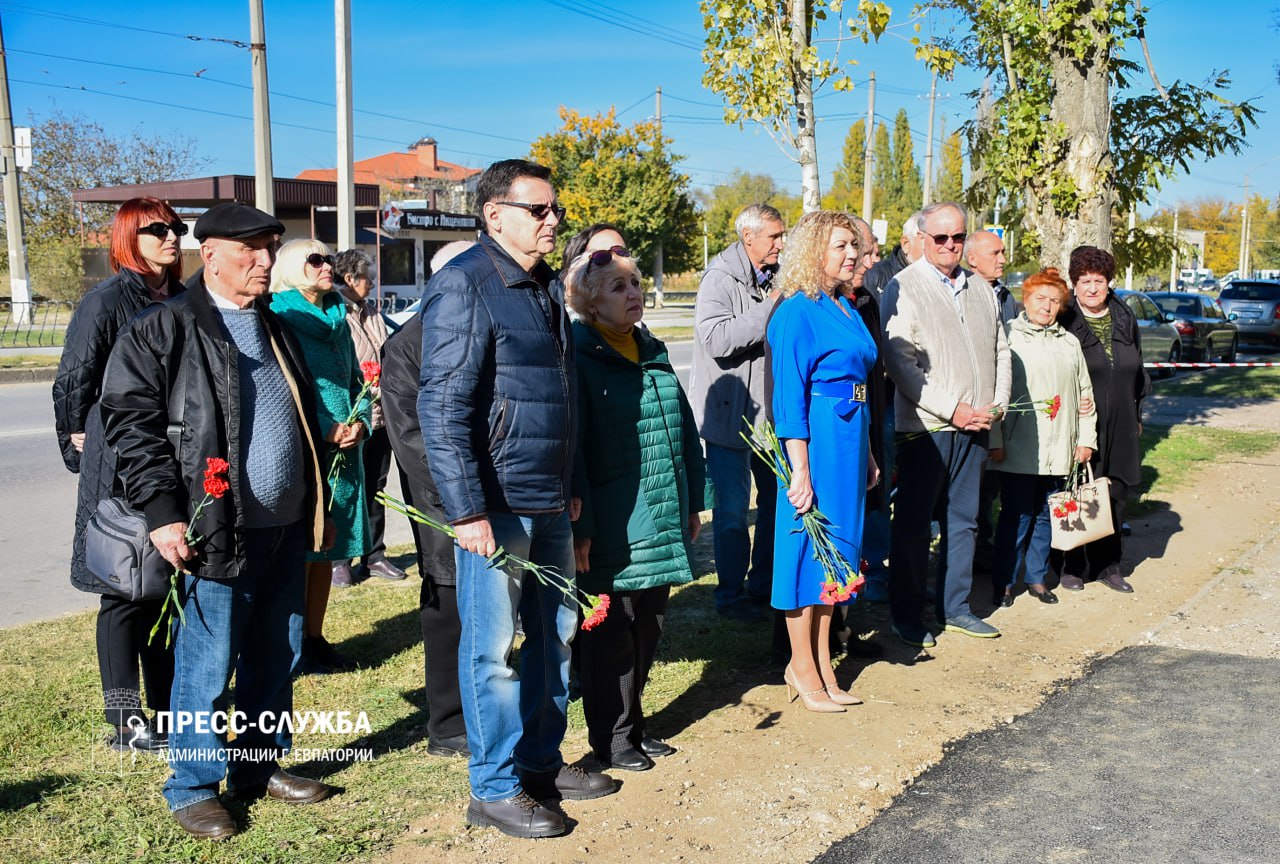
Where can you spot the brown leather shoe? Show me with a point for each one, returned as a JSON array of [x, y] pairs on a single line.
[[1116, 582], [292, 789], [207, 819], [1071, 583]]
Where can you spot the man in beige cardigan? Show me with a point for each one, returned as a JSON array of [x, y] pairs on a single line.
[[946, 353]]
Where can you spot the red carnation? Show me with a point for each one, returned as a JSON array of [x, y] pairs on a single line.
[[1054, 407], [215, 486], [217, 465], [599, 611], [372, 372]]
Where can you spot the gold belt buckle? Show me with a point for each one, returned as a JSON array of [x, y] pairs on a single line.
[[859, 392]]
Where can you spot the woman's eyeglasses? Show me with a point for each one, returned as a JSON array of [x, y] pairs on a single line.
[[601, 257], [160, 230], [537, 211], [316, 260]]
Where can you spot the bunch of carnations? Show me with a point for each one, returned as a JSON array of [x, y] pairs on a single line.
[[842, 582], [1062, 511], [215, 486], [594, 607], [372, 374], [1047, 407]]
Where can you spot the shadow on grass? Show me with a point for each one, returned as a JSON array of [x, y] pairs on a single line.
[[16, 795], [399, 736]]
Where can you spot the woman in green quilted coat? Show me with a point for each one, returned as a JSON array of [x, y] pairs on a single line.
[[640, 474], [302, 296]]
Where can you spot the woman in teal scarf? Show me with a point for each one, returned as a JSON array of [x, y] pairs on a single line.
[[304, 299]]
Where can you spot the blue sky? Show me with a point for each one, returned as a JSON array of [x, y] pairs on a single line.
[[485, 79]]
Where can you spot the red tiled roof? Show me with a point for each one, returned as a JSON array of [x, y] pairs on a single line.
[[394, 169]]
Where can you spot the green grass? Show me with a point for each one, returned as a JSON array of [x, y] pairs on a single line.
[[1174, 457], [17, 361], [64, 797], [1259, 384], [31, 337], [673, 334]]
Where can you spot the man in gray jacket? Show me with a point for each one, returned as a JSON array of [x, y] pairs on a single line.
[[726, 386], [945, 350]]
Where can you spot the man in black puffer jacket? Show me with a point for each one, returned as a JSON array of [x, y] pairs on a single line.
[[246, 397], [496, 405]]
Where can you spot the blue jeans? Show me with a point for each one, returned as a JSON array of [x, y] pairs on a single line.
[[1024, 532], [250, 625], [936, 468], [731, 471], [515, 721]]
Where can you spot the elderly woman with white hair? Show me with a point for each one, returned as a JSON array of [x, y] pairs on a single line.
[[304, 299], [641, 476]]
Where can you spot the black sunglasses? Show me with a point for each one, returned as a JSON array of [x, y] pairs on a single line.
[[537, 211], [601, 257], [941, 239], [160, 230], [316, 260]]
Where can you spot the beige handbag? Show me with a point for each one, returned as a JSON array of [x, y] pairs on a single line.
[[1082, 512]]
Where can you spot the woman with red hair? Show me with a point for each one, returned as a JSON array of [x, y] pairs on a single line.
[[147, 259]]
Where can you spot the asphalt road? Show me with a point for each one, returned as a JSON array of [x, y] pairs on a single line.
[[1158, 756]]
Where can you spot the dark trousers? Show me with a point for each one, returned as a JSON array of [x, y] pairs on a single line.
[[984, 548], [616, 658], [1100, 558], [935, 470], [377, 465], [123, 627], [441, 631]]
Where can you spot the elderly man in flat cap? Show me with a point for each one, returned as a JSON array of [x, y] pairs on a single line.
[[208, 375]]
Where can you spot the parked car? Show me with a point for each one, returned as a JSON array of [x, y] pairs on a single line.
[[1160, 339], [1256, 307], [1205, 329]]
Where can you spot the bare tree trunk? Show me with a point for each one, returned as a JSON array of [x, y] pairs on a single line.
[[802, 81], [1081, 106]]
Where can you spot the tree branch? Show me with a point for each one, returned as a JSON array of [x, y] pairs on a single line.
[[1146, 54]]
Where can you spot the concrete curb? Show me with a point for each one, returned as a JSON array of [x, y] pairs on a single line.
[[28, 375]]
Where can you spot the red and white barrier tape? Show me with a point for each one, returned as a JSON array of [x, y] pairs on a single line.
[[1207, 365]]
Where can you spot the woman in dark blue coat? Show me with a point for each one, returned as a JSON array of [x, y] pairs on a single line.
[[146, 256], [822, 355]]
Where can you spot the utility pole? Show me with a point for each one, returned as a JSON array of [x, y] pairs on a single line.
[[19, 288], [928, 147], [657, 250], [264, 192], [346, 139], [868, 158], [1173, 266], [1128, 270], [1244, 227], [706, 245]]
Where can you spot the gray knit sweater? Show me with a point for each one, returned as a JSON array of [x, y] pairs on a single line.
[[270, 449]]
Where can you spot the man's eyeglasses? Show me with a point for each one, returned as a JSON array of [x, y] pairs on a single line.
[[160, 230], [537, 211], [941, 239], [316, 260], [601, 257]]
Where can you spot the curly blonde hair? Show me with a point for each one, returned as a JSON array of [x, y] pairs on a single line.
[[806, 248]]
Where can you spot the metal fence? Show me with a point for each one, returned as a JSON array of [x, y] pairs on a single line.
[[34, 324]]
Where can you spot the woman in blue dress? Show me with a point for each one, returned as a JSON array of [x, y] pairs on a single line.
[[822, 354]]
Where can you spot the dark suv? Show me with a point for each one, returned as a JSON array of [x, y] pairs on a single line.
[[1256, 306]]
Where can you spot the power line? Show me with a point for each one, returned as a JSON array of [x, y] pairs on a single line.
[[645, 98], [62, 16], [644, 28]]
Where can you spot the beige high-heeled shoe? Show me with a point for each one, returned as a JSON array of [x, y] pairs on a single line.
[[817, 701], [841, 697]]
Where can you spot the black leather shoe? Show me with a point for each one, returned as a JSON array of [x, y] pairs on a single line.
[[207, 819], [1071, 583], [143, 736], [1045, 596], [449, 747], [654, 748], [319, 657], [630, 759], [384, 569], [569, 782], [292, 789], [341, 575], [517, 816]]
